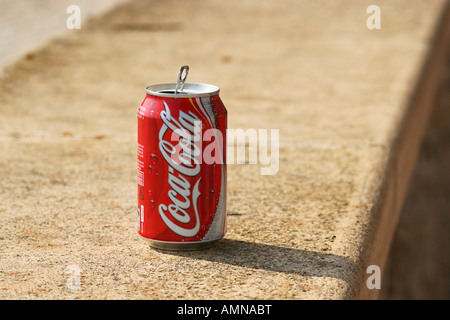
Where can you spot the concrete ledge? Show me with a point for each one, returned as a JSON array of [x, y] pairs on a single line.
[[351, 105], [405, 148]]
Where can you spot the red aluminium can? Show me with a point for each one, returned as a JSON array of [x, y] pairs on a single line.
[[181, 171]]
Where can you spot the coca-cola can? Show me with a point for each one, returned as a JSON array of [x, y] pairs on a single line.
[[181, 169]]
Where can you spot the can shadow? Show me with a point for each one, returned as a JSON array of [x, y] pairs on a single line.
[[275, 258]]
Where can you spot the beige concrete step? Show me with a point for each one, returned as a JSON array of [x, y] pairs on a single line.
[[351, 105]]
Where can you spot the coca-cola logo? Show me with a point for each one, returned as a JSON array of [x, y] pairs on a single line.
[[183, 160]]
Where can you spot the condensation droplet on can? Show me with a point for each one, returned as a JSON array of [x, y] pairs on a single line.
[[150, 169], [153, 158]]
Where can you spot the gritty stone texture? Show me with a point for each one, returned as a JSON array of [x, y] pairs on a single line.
[[335, 90]]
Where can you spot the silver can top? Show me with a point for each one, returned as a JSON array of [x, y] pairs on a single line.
[[190, 90], [180, 89]]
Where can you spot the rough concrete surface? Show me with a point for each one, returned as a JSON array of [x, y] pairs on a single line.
[[336, 90]]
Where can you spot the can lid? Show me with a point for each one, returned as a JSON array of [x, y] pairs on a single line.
[[190, 90]]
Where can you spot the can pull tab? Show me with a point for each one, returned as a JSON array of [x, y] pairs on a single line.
[[181, 78]]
